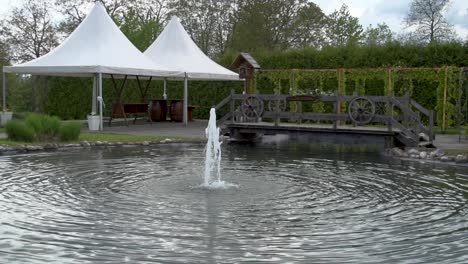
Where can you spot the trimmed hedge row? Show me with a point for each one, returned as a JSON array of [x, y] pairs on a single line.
[[70, 98]]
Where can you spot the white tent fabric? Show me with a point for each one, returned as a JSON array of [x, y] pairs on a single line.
[[96, 46], [175, 50]]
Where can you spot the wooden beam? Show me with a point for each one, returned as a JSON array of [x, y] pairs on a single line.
[[445, 99]]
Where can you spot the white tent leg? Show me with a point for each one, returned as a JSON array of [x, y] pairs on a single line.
[[185, 100], [94, 99], [165, 89], [4, 92], [101, 128]]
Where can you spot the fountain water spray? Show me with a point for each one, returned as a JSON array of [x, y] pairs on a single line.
[[213, 153]]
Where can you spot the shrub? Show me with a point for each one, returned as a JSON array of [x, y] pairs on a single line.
[[46, 127], [18, 131], [70, 131]]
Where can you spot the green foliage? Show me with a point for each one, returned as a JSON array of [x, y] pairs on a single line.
[[70, 131], [45, 127], [379, 35], [367, 72], [138, 30], [19, 131], [424, 85], [276, 25], [343, 28]]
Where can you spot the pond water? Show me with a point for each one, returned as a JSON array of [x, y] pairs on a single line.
[[293, 204]]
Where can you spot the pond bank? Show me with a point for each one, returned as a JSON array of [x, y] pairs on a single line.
[[29, 148]]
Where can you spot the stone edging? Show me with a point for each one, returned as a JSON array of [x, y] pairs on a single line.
[[17, 149], [437, 155]]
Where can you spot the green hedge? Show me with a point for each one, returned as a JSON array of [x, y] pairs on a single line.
[[70, 98], [43, 128]]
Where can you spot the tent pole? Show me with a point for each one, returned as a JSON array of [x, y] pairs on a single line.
[[94, 99], [101, 101], [4, 91], [165, 89], [185, 99]]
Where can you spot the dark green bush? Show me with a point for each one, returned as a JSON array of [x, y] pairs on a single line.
[[19, 131], [70, 131], [46, 127]]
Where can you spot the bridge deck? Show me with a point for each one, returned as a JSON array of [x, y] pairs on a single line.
[[261, 127]]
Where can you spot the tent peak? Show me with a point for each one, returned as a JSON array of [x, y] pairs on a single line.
[[176, 50]]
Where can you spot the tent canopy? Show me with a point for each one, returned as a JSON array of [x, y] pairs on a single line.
[[175, 50], [96, 46]]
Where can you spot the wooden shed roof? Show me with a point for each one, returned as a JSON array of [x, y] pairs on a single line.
[[243, 56]]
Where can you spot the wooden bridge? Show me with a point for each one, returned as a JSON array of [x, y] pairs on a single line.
[[392, 120]]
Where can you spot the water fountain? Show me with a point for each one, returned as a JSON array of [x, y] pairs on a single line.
[[212, 176]]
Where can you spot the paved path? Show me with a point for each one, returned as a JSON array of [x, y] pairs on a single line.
[[194, 130], [451, 142]]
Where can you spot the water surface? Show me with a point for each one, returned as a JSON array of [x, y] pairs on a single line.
[[294, 204]]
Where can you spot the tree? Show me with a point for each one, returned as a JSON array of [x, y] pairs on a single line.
[[139, 20], [30, 31], [277, 25], [379, 35], [428, 18], [75, 11], [140, 29], [209, 22], [4, 60], [342, 28]]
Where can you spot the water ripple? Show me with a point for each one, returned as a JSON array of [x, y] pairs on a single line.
[[291, 205]]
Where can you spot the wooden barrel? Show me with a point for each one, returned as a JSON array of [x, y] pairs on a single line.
[[158, 110], [176, 110]]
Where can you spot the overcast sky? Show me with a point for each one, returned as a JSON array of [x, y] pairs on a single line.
[[392, 12]]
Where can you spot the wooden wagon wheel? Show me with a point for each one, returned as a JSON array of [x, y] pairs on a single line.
[[281, 105], [361, 110], [252, 107]]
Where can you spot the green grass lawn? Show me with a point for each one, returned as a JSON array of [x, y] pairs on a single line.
[[456, 152], [449, 131], [2, 130]]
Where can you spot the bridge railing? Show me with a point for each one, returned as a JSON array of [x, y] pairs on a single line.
[[396, 112]]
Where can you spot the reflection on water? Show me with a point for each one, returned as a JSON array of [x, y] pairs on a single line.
[[294, 203]]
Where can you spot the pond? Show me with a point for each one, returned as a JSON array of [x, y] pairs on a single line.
[[293, 203]]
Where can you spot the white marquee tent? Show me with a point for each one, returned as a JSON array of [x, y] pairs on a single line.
[[97, 47], [176, 51]]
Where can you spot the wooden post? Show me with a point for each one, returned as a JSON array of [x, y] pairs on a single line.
[[277, 106], [445, 99], [292, 81], [299, 109], [390, 84], [338, 96], [232, 105], [406, 104], [459, 110], [390, 112], [431, 125], [336, 107]]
